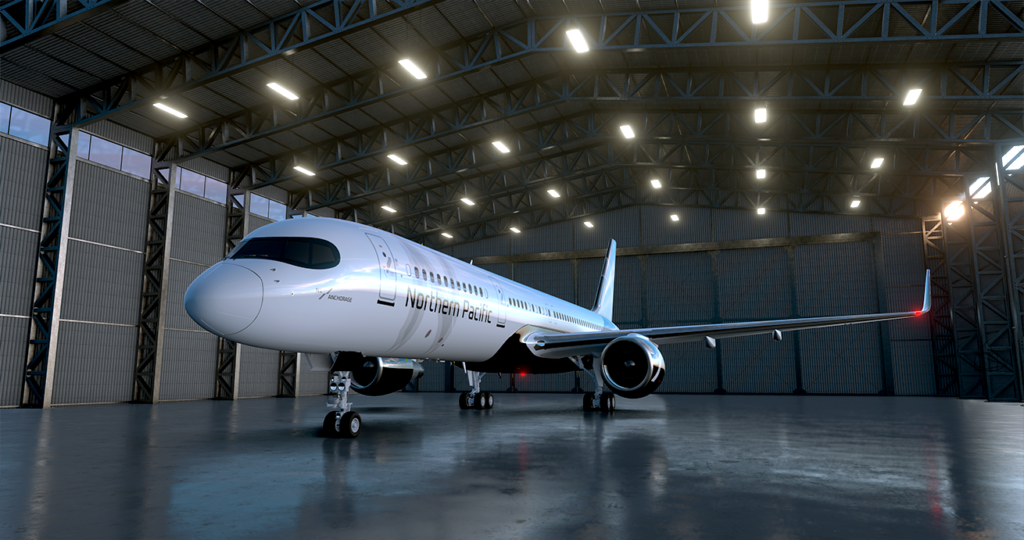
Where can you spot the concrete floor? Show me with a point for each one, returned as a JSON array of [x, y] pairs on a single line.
[[534, 467]]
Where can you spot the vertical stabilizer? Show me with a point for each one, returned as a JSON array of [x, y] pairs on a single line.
[[606, 288]]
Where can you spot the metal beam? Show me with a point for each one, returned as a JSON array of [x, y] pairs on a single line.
[[835, 22], [944, 338], [24, 21], [229, 353], [155, 282], [37, 390], [309, 25], [1011, 187], [781, 85]]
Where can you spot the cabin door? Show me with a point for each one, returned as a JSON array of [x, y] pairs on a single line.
[[388, 270]]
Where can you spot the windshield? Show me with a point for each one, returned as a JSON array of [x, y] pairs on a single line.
[[305, 252]]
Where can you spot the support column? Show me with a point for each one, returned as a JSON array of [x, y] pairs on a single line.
[[229, 353], [1009, 191], [288, 375], [888, 379], [37, 390], [156, 267], [944, 344]]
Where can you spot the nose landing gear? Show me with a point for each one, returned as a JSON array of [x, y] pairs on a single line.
[[475, 399], [342, 421]]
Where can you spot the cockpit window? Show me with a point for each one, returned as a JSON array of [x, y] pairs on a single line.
[[305, 252]]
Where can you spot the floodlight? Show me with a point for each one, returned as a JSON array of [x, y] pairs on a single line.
[[389, 209], [468, 202], [588, 224], [674, 217], [578, 41], [396, 159], [912, 96], [513, 229], [656, 184], [304, 171], [760, 115], [855, 203], [761, 174], [553, 193], [627, 131], [877, 162], [411, 68], [501, 146], [759, 11], [282, 90], [760, 211], [167, 109], [446, 235], [955, 210]]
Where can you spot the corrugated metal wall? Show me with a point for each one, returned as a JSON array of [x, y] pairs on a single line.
[[22, 167], [736, 285], [258, 368], [96, 347], [26, 99]]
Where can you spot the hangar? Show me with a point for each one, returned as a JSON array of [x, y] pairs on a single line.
[[753, 160]]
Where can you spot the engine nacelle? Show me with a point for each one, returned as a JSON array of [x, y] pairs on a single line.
[[376, 376], [632, 366]]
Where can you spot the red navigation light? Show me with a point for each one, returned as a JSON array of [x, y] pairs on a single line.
[[917, 313], [522, 374]]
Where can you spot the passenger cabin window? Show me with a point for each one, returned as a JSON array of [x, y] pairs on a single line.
[[311, 253], [431, 277], [417, 272], [445, 281]]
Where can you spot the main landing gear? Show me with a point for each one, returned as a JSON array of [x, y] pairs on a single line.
[[600, 400], [342, 421], [475, 399]]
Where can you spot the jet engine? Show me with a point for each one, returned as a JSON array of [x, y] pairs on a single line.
[[376, 376], [632, 366]]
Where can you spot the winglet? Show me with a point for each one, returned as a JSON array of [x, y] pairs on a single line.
[[927, 293], [606, 289]]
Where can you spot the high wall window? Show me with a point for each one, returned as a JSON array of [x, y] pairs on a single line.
[[204, 186], [113, 155], [24, 125], [262, 206]]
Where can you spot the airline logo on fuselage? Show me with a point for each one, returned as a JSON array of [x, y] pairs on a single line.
[[435, 303]]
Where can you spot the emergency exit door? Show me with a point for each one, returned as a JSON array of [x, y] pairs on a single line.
[[388, 270]]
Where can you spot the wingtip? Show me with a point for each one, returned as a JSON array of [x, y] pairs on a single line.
[[927, 293]]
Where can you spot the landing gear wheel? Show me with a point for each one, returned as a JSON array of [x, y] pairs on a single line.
[[608, 402], [480, 402], [464, 401], [588, 401], [488, 400], [351, 425], [331, 425]]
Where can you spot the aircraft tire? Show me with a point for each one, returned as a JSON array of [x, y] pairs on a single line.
[[588, 401], [607, 402], [488, 400], [351, 425], [329, 425], [464, 401]]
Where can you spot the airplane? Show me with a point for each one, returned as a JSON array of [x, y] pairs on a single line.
[[362, 303]]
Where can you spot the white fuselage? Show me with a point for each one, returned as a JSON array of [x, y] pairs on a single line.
[[386, 297]]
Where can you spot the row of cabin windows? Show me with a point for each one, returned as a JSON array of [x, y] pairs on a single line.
[[515, 302], [450, 283]]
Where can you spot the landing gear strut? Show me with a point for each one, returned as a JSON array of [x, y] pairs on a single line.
[[342, 421], [600, 400], [475, 399]]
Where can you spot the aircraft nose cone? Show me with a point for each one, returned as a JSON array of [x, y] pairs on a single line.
[[225, 299]]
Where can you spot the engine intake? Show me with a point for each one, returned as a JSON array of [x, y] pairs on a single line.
[[632, 366], [376, 376]]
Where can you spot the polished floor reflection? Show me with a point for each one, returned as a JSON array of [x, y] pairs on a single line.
[[535, 467]]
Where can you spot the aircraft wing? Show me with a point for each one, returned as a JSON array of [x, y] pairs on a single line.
[[580, 343]]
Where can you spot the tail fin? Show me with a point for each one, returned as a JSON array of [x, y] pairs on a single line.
[[606, 288]]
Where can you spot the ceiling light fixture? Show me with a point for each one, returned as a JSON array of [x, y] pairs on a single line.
[[656, 184], [760, 211], [411, 68], [446, 235], [761, 174], [304, 171], [760, 115], [912, 96], [167, 109], [759, 11], [955, 210], [467, 201], [501, 146], [980, 188], [877, 162], [513, 229], [389, 209], [578, 41], [396, 159], [553, 193], [1012, 164], [674, 217], [588, 224], [627, 131], [855, 203], [283, 91]]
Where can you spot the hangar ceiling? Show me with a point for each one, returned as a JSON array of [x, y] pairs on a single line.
[[685, 76]]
